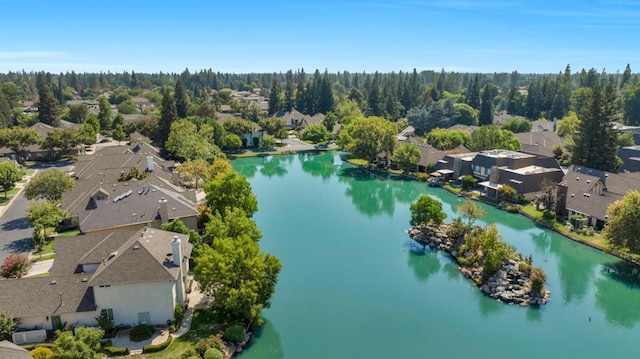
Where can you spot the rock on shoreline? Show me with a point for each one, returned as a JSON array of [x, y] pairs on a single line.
[[508, 285]]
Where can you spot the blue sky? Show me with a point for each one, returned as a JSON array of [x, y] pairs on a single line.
[[355, 35]]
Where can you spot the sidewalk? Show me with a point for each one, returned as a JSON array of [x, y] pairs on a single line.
[[40, 267]]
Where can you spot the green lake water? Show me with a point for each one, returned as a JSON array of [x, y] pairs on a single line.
[[351, 286]]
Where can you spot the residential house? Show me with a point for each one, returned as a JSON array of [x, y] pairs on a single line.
[[296, 120], [91, 104], [539, 142], [102, 202], [35, 152], [453, 166], [133, 276], [630, 159], [589, 192]]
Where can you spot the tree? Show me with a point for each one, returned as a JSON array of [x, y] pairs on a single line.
[[516, 125], [470, 211], [632, 105], [538, 279], [18, 139], [366, 137], [426, 210], [447, 139], [45, 214], [348, 110], [168, 116], [329, 121], [622, 231], [239, 127], [64, 139], [47, 104], [568, 125], [188, 142], [275, 104], [10, 173], [316, 133], [239, 276], [78, 113], [118, 133], [127, 107], [84, 345], [466, 115], [233, 142], [194, 171], [15, 266], [48, 185], [105, 115], [8, 325], [275, 126], [485, 116], [508, 193], [233, 224], [178, 226], [407, 156], [596, 134], [182, 102], [490, 138], [625, 140], [268, 142], [231, 191]]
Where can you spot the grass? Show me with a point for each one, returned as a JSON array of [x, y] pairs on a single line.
[[71, 233], [450, 188], [48, 247], [357, 161], [42, 257], [39, 275], [10, 194], [202, 326]]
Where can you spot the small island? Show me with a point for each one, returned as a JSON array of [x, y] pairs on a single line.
[[493, 265]]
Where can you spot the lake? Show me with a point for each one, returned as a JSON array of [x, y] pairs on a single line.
[[351, 286]]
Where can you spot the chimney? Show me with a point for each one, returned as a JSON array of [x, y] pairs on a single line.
[[150, 163], [61, 302], [164, 210], [176, 251], [104, 261]]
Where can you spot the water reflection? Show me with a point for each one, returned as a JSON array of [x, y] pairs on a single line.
[[534, 314], [275, 166], [423, 262], [318, 164], [268, 339], [370, 198], [609, 290]]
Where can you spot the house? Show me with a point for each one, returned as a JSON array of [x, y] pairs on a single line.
[[456, 165], [540, 142], [8, 350], [589, 192], [133, 276], [406, 134], [296, 120], [91, 104], [102, 202], [630, 159], [35, 152]]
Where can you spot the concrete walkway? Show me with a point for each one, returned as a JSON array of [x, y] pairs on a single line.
[[40, 267]]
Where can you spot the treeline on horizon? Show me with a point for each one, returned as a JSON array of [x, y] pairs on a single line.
[[390, 95]]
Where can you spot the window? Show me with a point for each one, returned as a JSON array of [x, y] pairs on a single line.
[[109, 313], [144, 318]]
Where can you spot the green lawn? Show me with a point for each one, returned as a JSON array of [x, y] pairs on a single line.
[[72, 233], [202, 326], [4, 201], [48, 248], [42, 257], [39, 275]]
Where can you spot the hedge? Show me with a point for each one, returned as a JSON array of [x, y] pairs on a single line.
[[141, 332], [30, 347], [116, 351], [158, 347]]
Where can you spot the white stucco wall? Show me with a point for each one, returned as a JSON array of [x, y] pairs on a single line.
[[130, 299], [81, 319]]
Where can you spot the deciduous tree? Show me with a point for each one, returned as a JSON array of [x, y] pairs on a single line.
[[491, 138], [18, 139], [48, 185], [232, 191], [316, 133], [427, 210], [10, 173], [366, 137], [15, 266], [46, 214], [622, 232], [8, 325], [85, 344], [239, 276], [470, 211], [407, 156]]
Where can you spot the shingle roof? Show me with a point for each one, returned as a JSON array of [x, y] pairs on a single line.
[[27, 297], [8, 350], [540, 142]]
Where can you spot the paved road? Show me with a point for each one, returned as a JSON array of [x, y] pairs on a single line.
[[15, 230]]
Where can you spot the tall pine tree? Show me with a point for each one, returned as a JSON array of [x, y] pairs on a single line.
[[182, 103], [168, 115], [274, 95], [47, 104], [595, 142], [486, 107]]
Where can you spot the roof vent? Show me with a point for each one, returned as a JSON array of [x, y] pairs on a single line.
[[136, 247], [588, 195], [588, 181], [84, 279], [577, 178], [53, 282], [113, 254], [573, 195]]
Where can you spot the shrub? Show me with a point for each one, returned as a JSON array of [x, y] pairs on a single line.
[[589, 231], [538, 279], [214, 341], [106, 343], [468, 182], [190, 353], [513, 209], [548, 215], [178, 313], [15, 266], [422, 177], [116, 351], [213, 353], [141, 332], [234, 333], [158, 347], [41, 353], [524, 267]]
